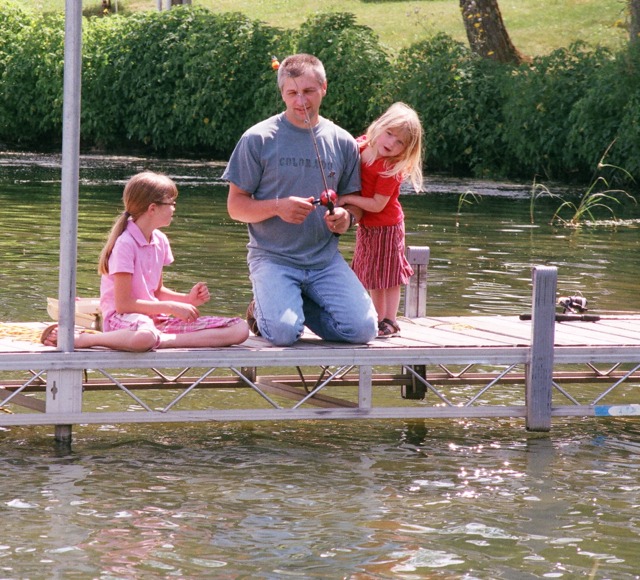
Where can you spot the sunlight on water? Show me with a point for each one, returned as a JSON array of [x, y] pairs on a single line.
[[316, 500], [363, 500], [481, 260]]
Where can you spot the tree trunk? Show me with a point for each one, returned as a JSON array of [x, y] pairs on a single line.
[[486, 32], [634, 21]]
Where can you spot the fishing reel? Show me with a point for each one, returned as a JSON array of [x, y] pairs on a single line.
[[327, 199], [575, 304]]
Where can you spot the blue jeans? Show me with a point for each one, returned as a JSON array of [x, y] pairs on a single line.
[[331, 302]]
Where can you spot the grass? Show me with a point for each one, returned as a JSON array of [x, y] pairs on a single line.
[[597, 197], [536, 26]]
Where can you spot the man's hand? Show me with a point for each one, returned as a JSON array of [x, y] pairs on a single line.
[[294, 210], [339, 221]]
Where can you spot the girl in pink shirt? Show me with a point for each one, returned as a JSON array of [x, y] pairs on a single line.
[[139, 312], [390, 152]]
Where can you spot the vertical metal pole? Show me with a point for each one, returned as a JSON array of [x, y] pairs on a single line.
[[70, 173], [365, 395], [415, 306], [415, 293], [68, 380], [539, 371]]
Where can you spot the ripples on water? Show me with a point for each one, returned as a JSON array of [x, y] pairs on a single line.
[[457, 499], [361, 500], [481, 258]]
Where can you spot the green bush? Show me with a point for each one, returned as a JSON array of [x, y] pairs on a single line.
[[487, 153], [189, 82], [12, 20], [432, 77], [32, 58], [609, 113], [538, 105], [183, 81], [459, 98], [103, 121], [355, 64]]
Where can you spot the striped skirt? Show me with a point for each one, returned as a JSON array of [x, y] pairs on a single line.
[[379, 260]]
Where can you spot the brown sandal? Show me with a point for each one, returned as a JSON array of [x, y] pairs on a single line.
[[47, 332], [388, 328], [45, 337]]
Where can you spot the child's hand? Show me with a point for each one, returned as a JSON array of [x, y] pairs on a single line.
[[184, 311], [199, 294]]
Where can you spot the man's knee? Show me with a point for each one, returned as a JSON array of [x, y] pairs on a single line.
[[363, 332], [281, 334]]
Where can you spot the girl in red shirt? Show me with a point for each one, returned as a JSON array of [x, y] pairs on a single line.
[[390, 152]]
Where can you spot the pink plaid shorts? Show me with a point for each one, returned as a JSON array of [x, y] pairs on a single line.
[[167, 324]]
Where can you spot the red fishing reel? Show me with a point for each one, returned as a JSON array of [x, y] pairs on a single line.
[[328, 199]]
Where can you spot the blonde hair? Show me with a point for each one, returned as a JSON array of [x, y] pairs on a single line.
[[139, 193], [296, 65], [402, 118]]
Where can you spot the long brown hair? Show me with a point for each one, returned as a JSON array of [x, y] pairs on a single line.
[[408, 164], [139, 193]]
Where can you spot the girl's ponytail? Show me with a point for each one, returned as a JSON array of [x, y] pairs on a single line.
[[118, 227], [140, 192]]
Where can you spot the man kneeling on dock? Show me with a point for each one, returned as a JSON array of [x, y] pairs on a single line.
[[276, 176]]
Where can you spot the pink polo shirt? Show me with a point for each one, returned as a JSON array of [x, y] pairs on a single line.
[[134, 255]]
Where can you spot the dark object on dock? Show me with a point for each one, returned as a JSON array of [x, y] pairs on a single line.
[[569, 317], [573, 304]]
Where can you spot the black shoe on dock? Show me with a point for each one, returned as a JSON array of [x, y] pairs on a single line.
[[251, 319]]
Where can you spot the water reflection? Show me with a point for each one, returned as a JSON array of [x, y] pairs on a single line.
[[481, 258], [463, 499], [377, 499]]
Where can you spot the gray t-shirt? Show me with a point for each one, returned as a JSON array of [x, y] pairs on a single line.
[[275, 159]]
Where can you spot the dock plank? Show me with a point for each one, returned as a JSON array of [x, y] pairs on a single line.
[[589, 334], [419, 333], [445, 342], [457, 331]]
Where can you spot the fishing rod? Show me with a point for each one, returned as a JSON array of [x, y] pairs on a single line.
[[328, 197], [568, 317], [588, 317]]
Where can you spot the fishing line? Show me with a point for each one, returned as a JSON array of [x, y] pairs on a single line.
[[328, 197], [275, 65]]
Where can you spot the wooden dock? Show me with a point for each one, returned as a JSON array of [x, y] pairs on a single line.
[[440, 367]]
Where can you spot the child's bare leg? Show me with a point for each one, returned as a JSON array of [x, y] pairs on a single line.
[[127, 340], [386, 302], [211, 337]]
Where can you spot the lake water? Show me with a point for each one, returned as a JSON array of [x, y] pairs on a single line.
[[459, 499]]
